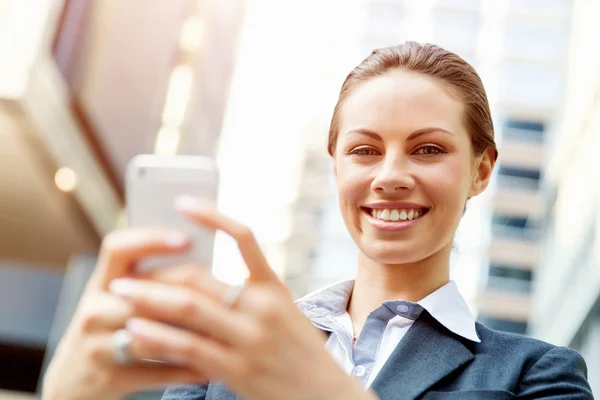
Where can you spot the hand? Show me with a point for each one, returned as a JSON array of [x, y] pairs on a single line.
[[83, 366], [263, 347]]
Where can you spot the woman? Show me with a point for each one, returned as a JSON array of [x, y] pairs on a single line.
[[412, 140]]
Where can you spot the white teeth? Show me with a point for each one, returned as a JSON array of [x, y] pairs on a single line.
[[403, 215], [385, 215], [395, 214]]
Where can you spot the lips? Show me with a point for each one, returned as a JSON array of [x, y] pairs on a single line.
[[394, 219]]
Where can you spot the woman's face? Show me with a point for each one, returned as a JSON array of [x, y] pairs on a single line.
[[404, 167]]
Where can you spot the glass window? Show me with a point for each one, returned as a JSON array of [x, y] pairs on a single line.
[[518, 178], [503, 271], [508, 285], [509, 226], [509, 220], [523, 131], [519, 172], [530, 235], [523, 135], [528, 125], [510, 182]]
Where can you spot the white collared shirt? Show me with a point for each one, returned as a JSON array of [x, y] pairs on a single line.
[[384, 328]]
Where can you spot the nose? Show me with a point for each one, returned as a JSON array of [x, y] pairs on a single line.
[[393, 176]]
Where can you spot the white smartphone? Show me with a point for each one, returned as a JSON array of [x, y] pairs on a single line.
[[153, 183]]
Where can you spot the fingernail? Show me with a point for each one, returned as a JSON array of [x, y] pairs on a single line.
[[177, 240], [123, 287], [186, 203]]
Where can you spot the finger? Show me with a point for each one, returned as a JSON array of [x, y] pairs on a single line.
[[139, 374], [158, 341], [104, 311], [208, 216], [121, 249], [184, 308], [145, 355], [194, 276]]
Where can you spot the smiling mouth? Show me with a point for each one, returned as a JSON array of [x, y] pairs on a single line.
[[395, 215]]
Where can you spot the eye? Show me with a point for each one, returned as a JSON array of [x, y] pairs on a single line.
[[364, 151], [430, 150]]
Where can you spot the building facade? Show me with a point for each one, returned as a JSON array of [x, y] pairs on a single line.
[[566, 301]]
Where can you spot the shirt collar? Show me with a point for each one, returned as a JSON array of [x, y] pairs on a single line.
[[330, 300], [446, 305], [450, 309]]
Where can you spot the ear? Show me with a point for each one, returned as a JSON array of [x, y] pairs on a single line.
[[482, 172]]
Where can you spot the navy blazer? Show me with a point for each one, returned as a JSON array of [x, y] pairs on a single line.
[[431, 362]]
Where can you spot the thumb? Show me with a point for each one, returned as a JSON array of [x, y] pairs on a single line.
[[206, 215]]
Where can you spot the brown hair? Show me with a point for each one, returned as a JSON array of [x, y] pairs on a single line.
[[431, 60]]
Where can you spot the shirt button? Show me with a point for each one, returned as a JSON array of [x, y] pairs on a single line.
[[359, 371], [402, 308]]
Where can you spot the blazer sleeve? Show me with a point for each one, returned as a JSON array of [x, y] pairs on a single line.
[[186, 392], [560, 373]]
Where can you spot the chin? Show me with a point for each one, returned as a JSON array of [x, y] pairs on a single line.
[[392, 253]]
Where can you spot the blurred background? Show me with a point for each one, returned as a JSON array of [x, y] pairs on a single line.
[[87, 84]]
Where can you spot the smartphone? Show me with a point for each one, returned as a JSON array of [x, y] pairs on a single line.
[[153, 183]]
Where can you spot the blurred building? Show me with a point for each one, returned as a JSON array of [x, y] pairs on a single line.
[[566, 301], [84, 86], [527, 94]]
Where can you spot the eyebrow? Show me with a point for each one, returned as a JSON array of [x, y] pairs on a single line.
[[412, 136]]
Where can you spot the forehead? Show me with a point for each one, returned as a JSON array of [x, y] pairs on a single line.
[[401, 102]]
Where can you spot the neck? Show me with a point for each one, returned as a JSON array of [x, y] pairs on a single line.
[[378, 282]]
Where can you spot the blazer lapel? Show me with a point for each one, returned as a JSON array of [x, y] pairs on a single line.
[[427, 353]]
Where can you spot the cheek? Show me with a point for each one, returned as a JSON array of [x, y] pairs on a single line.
[[448, 185], [352, 183], [353, 187]]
